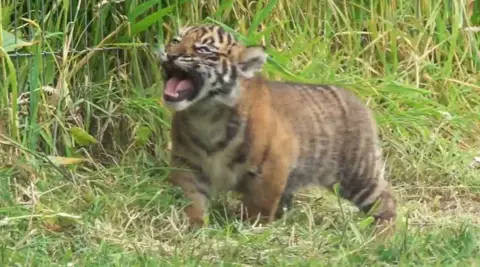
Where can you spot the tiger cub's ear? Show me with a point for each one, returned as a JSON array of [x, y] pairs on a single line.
[[251, 60]]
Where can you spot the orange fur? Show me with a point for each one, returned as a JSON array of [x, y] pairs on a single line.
[[272, 139]]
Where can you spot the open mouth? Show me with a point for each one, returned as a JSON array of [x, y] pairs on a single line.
[[180, 85]]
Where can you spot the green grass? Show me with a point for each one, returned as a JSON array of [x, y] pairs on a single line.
[[415, 63]]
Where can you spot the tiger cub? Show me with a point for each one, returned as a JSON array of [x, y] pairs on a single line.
[[233, 130]]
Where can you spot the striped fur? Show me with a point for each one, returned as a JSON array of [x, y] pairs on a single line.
[[266, 139]]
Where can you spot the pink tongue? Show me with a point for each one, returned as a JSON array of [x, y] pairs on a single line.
[[175, 85]]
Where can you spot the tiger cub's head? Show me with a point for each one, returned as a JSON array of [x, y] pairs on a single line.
[[206, 63]]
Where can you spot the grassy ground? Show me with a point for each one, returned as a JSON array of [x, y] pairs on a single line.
[[415, 63]]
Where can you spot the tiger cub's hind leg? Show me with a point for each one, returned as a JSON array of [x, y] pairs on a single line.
[[371, 194]]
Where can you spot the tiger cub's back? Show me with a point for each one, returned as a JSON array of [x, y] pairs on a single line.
[[338, 141]]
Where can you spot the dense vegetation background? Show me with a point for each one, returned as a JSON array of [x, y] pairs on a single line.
[[83, 162]]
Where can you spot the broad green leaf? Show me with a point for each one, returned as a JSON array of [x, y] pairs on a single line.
[[9, 43], [89, 197], [393, 87], [6, 13], [226, 5], [140, 9], [142, 134], [260, 17], [356, 233], [363, 224], [54, 34], [81, 137], [143, 24]]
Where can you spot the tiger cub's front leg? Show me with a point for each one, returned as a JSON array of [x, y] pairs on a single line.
[[263, 190], [272, 154], [194, 186]]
